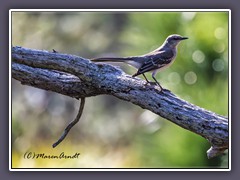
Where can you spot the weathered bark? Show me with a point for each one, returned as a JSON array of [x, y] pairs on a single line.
[[78, 77]]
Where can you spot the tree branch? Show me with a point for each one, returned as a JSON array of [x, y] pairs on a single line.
[[78, 78]]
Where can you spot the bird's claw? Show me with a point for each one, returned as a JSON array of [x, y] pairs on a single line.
[[155, 84]]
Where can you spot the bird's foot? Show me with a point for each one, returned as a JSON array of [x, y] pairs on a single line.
[[155, 84]]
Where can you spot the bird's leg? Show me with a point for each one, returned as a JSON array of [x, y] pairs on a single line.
[[145, 78], [157, 83], [153, 74]]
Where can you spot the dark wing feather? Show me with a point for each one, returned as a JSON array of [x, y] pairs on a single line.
[[155, 60]]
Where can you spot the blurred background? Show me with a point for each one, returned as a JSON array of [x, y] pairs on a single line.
[[113, 133]]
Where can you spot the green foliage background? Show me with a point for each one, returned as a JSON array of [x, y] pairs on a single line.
[[113, 133]]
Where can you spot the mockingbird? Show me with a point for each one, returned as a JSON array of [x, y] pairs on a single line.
[[154, 61]]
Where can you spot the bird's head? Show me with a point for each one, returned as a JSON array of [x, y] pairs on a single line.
[[174, 39]]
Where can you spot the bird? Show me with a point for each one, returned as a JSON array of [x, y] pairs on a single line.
[[153, 61]]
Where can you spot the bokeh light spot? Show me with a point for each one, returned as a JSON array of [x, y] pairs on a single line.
[[188, 15], [174, 78], [219, 33], [218, 65], [219, 48], [190, 77], [198, 56]]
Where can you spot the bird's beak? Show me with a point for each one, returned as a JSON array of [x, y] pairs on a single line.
[[183, 38]]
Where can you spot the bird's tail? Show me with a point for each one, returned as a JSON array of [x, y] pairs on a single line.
[[112, 59]]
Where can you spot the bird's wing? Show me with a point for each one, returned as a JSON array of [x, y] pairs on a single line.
[[155, 60]]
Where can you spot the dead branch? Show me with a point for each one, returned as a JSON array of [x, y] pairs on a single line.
[[79, 78]]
